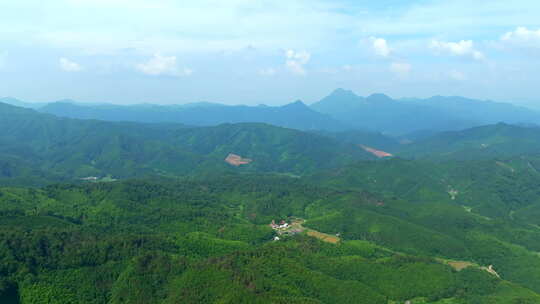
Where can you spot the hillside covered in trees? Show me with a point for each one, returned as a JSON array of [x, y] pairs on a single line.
[[269, 152], [40, 148], [207, 241], [118, 212]]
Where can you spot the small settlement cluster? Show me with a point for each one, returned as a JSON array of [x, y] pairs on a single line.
[[284, 228], [282, 225]]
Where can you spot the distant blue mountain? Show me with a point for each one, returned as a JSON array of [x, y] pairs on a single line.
[[16, 102], [295, 115], [382, 113], [342, 110]]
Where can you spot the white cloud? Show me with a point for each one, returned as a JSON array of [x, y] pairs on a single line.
[[163, 65], [380, 46], [210, 25], [176, 26], [401, 69], [69, 66], [463, 48], [296, 60], [457, 75], [522, 37], [267, 72], [453, 18]]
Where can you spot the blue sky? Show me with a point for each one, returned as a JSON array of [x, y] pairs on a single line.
[[273, 52]]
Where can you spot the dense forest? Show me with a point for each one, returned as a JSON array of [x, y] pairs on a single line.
[[120, 212], [269, 152], [208, 241], [39, 148]]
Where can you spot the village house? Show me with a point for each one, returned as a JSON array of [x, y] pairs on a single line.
[[282, 225]]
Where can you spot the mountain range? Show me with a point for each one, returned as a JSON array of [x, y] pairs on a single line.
[[381, 113], [96, 211], [69, 148], [342, 110], [296, 115]]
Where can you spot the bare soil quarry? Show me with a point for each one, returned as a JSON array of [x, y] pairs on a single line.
[[237, 160]]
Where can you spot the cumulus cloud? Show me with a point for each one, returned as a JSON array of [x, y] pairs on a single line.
[[296, 60], [69, 66], [523, 37], [267, 72], [463, 48], [401, 69], [380, 46], [163, 65]]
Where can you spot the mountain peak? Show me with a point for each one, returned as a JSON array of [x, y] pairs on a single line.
[[297, 105], [338, 99], [342, 93], [379, 97]]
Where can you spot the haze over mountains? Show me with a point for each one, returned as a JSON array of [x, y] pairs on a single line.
[[341, 110], [382, 113], [295, 115]]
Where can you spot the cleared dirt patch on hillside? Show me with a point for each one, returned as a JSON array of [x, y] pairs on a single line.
[[506, 166], [378, 153], [459, 265], [237, 160], [296, 227], [323, 236]]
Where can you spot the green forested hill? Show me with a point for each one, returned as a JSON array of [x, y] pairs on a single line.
[[192, 228], [374, 140], [492, 187], [41, 147], [485, 142], [207, 241], [493, 202]]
